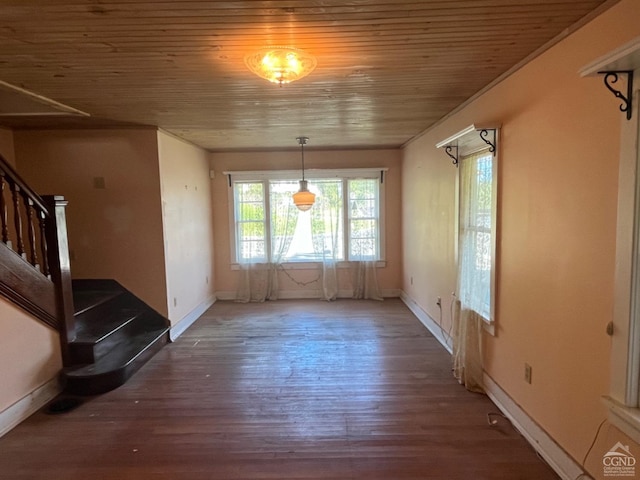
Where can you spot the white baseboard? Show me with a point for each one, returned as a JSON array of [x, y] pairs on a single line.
[[28, 405], [435, 329], [188, 320], [309, 294], [557, 458]]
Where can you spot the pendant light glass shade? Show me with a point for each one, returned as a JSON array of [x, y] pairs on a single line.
[[281, 64], [303, 198]]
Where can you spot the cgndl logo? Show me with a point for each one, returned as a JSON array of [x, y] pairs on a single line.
[[619, 462]]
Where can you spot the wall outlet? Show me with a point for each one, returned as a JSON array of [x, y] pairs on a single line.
[[527, 373], [439, 302], [175, 301]]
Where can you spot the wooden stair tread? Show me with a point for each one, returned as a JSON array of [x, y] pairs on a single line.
[[84, 300], [93, 331], [121, 357]]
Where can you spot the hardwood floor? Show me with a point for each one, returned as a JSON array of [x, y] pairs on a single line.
[[309, 390]]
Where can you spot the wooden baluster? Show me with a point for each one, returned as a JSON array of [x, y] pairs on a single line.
[[15, 190], [31, 231], [43, 243], [3, 211]]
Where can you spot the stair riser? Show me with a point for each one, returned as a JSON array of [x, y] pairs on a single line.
[[91, 352], [95, 385]]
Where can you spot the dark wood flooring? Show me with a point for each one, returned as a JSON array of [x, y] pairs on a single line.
[[289, 390]]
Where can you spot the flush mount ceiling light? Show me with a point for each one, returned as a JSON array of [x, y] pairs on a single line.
[[281, 64], [303, 198]]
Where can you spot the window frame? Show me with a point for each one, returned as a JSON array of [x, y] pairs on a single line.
[[481, 153], [265, 176], [469, 141]]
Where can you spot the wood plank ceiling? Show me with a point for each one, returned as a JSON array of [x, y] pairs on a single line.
[[387, 69]]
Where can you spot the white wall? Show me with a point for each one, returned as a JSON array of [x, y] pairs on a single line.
[[187, 222]]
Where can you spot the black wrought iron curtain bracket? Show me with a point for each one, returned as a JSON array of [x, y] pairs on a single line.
[[610, 78], [484, 133], [448, 149]]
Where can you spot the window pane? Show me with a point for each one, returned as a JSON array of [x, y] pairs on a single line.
[[251, 231], [476, 223], [364, 228], [363, 208], [250, 222], [249, 192], [364, 219]]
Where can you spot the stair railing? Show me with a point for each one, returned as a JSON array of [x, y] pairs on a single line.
[[34, 254]]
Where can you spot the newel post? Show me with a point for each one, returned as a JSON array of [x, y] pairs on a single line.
[[60, 268]]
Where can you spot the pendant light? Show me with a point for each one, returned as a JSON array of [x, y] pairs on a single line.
[[303, 198]]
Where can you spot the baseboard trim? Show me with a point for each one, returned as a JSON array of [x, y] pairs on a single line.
[[309, 294], [189, 319], [557, 458], [445, 340], [28, 405]]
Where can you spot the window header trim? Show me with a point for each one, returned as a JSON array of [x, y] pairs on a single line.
[[248, 175]]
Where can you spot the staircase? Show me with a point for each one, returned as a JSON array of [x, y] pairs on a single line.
[[115, 334], [106, 333]]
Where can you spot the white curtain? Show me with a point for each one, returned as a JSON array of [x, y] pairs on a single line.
[[467, 348], [255, 283], [365, 280], [326, 231], [259, 281], [364, 246], [474, 268]]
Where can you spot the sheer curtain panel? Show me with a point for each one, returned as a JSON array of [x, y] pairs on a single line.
[[474, 266]]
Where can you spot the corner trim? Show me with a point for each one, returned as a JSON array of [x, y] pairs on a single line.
[[28, 405], [557, 458], [189, 319], [436, 330]]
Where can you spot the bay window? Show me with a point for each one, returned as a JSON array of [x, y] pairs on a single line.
[[345, 224]]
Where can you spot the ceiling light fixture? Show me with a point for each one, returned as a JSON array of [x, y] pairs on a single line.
[[281, 64], [303, 198]]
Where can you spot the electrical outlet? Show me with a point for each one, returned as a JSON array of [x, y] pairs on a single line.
[[527, 373], [439, 302], [175, 301]]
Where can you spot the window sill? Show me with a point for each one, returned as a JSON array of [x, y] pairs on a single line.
[[312, 265], [489, 327], [625, 418]]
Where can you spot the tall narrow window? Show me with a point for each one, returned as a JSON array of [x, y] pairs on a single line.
[[476, 233], [251, 228], [364, 215]]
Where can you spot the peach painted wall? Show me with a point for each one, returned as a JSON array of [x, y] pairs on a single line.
[[29, 350], [187, 220], [29, 354], [226, 279], [116, 231], [559, 151]]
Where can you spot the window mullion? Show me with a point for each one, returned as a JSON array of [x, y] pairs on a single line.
[[346, 219], [266, 188]]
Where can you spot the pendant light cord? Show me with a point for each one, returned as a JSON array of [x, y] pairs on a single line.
[[302, 141], [302, 150]]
